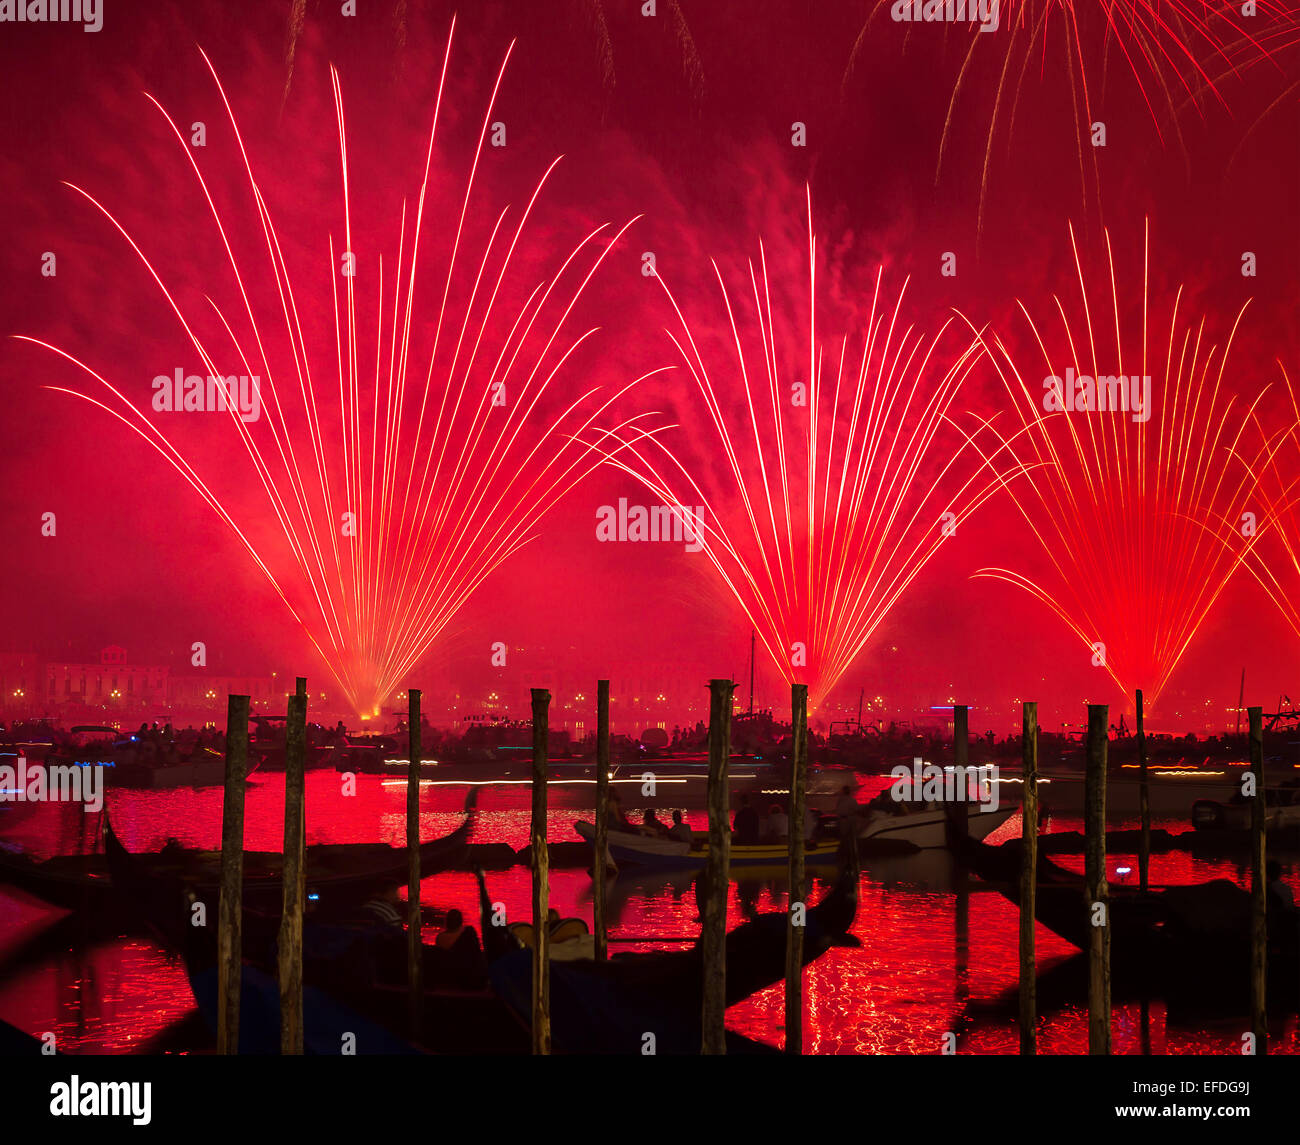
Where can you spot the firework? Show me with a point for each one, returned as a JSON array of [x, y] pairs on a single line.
[[839, 484], [1273, 556], [1178, 52], [1129, 477], [399, 471]]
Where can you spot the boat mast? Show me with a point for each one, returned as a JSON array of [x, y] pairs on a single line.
[[1241, 699], [753, 635]]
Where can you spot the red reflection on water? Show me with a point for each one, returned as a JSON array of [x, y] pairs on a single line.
[[111, 998], [931, 962]]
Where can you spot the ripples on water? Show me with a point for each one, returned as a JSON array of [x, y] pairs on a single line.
[[917, 976]]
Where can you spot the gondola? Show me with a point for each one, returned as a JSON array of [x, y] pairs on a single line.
[[73, 882], [610, 1007], [1142, 924], [18, 1043], [336, 873], [1191, 944], [330, 1026], [595, 1007], [655, 852], [341, 977]]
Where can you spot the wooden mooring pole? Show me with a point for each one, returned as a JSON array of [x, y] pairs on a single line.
[[961, 936], [541, 892], [1258, 889], [1095, 881], [414, 937], [798, 907], [602, 819], [961, 758], [294, 876], [230, 946], [713, 937], [1144, 853], [1029, 881], [1144, 798]]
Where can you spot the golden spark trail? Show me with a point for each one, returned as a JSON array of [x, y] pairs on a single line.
[[1136, 515], [831, 509], [440, 489], [1177, 52], [1273, 555]]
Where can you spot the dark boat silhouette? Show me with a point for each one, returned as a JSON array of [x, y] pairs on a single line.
[[351, 971], [609, 1007], [595, 1007], [1190, 944], [337, 873]]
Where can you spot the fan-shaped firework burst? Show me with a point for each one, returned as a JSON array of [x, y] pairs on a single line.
[[1273, 556], [399, 484], [827, 507], [1133, 496], [1177, 51]]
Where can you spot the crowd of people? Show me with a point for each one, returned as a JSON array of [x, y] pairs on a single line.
[[165, 746]]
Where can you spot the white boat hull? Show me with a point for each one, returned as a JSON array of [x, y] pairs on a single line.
[[651, 851], [929, 828]]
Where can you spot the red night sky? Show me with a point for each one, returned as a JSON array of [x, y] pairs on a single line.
[[682, 121]]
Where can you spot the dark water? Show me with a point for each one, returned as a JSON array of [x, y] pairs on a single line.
[[932, 961]]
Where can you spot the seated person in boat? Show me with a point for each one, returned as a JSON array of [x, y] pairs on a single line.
[[812, 825], [1282, 918], [455, 932], [618, 821], [652, 826], [384, 909], [776, 829], [745, 827], [456, 958], [373, 933], [901, 798], [681, 830], [1279, 896], [846, 806], [883, 800]]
